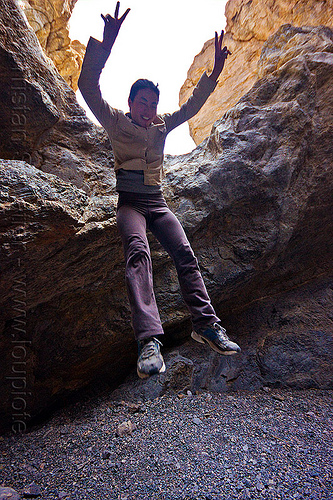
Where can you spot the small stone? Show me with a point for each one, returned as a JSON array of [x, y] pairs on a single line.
[[278, 397], [32, 491], [106, 454], [245, 448], [265, 388], [260, 486], [62, 494], [125, 428], [245, 495], [8, 494], [311, 414], [132, 407], [197, 421], [189, 393]]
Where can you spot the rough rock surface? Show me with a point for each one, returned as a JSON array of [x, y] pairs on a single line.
[[49, 20], [256, 202], [9, 494], [248, 26]]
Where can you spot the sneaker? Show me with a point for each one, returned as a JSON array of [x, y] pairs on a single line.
[[215, 336], [150, 360]]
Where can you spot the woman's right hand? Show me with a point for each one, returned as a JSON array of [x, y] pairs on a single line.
[[112, 27]]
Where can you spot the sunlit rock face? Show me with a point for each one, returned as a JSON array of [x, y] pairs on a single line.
[[49, 20], [255, 199], [248, 25]]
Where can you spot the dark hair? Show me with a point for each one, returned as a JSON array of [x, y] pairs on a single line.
[[143, 84]]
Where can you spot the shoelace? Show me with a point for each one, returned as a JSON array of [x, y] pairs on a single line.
[[221, 331], [149, 349]]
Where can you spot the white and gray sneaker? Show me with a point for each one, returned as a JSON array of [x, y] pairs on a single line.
[[150, 360], [216, 337]]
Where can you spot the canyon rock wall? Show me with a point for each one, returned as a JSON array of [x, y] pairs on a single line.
[[255, 199], [248, 25], [49, 20]]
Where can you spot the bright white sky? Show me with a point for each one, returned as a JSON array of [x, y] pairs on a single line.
[[158, 40]]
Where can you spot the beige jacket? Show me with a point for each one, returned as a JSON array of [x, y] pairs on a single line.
[[135, 147]]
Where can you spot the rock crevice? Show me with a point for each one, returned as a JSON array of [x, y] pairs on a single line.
[[255, 199]]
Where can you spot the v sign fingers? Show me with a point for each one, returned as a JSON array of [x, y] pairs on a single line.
[[112, 26], [221, 55]]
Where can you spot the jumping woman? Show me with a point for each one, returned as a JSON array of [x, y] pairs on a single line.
[[137, 140]]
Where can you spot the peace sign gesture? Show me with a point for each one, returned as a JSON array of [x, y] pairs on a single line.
[[112, 27], [221, 55]]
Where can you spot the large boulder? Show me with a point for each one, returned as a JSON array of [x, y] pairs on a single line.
[[248, 26], [255, 199]]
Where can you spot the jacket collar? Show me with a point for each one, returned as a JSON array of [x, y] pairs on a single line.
[[158, 121]]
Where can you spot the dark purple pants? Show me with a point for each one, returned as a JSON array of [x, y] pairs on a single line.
[[135, 213]]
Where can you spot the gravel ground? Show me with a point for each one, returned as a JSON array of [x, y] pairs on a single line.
[[269, 444]]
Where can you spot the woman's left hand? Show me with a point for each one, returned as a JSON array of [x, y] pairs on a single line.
[[221, 55]]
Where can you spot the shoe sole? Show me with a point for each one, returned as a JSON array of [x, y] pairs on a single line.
[[147, 375], [203, 340]]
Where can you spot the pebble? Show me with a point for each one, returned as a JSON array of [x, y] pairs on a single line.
[[125, 428], [197, 421], [32, 491], [260, 486], [311, 414], [245, 495], [277, 397], [132, 407]]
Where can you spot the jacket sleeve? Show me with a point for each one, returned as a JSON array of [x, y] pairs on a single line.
[[88, 83], [201, 92]]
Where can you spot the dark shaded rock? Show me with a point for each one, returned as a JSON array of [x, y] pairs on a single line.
[[106, 454], [255, 200], [57, 269], [179, 374], [32, 491]]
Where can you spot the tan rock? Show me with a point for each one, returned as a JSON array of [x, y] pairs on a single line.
[[249, 24], [49, 20]]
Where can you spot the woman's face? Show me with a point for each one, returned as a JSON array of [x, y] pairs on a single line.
[[143, 108]]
